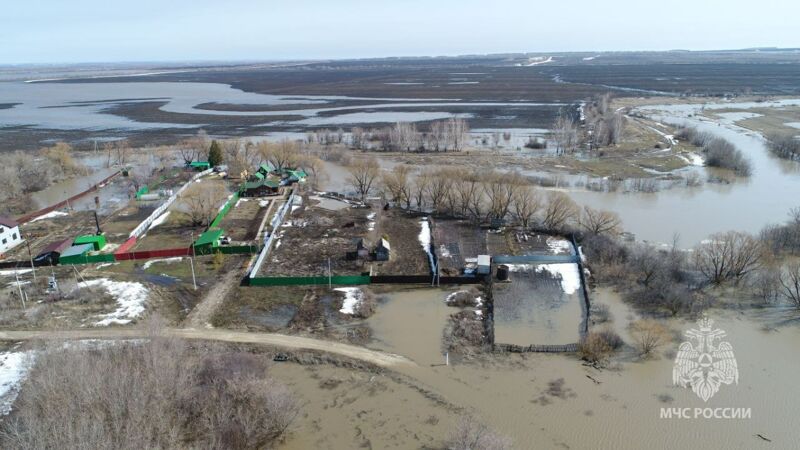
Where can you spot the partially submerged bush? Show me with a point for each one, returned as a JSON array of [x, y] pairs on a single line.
[[598, 346], [648, 336], [723, 154], [470, 434]]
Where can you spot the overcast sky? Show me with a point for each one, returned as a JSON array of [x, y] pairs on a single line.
[[57, 31]]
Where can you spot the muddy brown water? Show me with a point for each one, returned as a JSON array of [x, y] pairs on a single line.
[[549, 401]]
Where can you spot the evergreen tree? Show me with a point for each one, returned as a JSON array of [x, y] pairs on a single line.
[[215, 154]]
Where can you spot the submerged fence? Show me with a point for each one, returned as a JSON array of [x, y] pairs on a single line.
[[61, 204]]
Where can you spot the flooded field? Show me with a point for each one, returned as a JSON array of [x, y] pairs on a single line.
[[552, 400]]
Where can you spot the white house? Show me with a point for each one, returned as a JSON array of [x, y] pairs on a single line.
[[9, 234]]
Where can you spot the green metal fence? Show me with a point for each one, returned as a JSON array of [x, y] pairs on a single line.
[[87, 259], [222, 212], [307, 281]]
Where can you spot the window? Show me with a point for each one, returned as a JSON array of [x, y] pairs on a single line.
[[14, 237], [5, 241]]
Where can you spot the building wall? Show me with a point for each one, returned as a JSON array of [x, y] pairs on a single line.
[[9, 238]]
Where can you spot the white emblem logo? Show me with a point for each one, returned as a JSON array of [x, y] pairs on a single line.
[[705, 365]]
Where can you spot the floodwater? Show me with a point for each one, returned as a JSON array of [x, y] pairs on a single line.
[[411, 323], [534, 309], [82, 106], [695, 213], [550, 399]]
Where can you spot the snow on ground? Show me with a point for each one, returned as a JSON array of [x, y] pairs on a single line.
[[444, 252], [158, 221], [558, 245], [130, 297], [12, 272], [263, 203], [352, 298], [50, 215], [693, 159], [566, 272], [425, 238], [150, 262], [14, 367]]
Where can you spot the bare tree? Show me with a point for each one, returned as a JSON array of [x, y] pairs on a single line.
[[202, 202], [729, 256], [790, 282], [527, 201], [565, 133], [560, 211], [598, 221], [438, 188], [363, 175], [396, 184]]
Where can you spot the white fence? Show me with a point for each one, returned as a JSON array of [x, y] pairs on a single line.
[[142, 227], [270, 237]]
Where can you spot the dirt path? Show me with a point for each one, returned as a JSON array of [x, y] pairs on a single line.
[[200, 316], [293, 342]]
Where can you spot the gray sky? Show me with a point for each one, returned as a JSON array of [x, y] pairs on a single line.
[[57, 31]]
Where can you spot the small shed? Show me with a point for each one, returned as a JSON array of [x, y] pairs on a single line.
[[75, 254], [295, 175], [52, 252], [199, 165], [98, 241], [265, 169], [361, 249], [484, 264], [383, 250], [207, 241]]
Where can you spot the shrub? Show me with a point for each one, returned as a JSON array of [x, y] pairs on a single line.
[[723, 154], [150, 394], [648, 336], [598, 346], [470, 434]]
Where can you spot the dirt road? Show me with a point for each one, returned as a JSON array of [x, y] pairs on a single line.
[[292, 342], [200, 316]]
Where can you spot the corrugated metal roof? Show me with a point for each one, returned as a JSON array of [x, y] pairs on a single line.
[[77, 250], [210, 237], [56, 246]]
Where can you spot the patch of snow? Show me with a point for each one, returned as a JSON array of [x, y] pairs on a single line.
[[371, 226], [50, 215], [13, 272], [263, 203], [558, 245], [695, 159], [150, 262], [589, 58], [100, 266], [158, 221], [425, 239], [444, 252], [566, 272], [14, 367], [352, 298], [130, 296], [295, 207], [371, 216]]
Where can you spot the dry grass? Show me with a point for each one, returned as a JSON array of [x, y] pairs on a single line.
[[152, 394]]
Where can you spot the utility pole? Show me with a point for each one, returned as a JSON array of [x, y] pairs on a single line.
[[30, 255], [19, 288], [191, 262]]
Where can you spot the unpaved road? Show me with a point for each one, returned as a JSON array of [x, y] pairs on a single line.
[[202, 313], [281, 340]]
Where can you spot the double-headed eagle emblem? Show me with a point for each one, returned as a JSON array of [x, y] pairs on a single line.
[[705, 365]]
